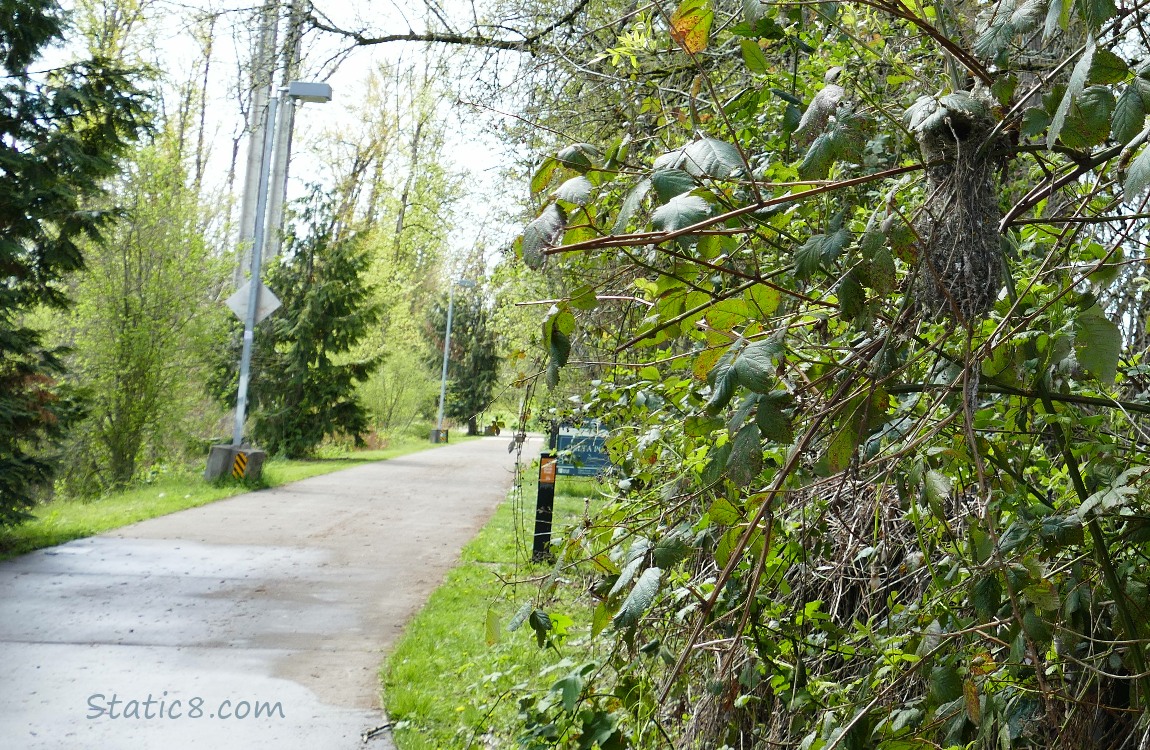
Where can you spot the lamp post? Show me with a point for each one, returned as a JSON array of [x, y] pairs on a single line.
[[439, 435], [231, 457], [299, 91]]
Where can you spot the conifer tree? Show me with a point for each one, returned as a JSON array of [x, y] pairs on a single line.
[[62, 132]]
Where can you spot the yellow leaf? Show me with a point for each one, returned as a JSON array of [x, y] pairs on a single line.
[[691, 25], [973, 709]]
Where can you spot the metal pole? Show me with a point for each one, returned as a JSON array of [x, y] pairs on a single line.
[[290, 62], [263, 74], [257, 258], [544, 507], [446, 344]]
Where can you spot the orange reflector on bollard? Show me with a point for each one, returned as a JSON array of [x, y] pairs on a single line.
[[547, 467]]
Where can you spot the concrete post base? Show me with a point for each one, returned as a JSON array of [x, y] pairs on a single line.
[[244, 462]]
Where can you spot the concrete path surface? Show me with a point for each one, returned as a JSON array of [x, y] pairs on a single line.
[[255, 622]]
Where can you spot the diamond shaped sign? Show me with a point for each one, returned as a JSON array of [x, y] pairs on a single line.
[[238, 302]]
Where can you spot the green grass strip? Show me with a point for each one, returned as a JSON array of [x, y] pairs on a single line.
[[443, 684]]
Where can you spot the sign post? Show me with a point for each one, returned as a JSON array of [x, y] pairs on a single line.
[[544, 507]]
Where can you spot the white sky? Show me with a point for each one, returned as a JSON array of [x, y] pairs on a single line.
[[176, 53]]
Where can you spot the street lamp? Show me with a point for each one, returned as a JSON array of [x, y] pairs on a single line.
[[299, 91], [219, 462], [439, 435]]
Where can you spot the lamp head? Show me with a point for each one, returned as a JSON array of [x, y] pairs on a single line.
[[306, 91]]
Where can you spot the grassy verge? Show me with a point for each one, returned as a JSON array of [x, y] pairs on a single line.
[[63, 520], [444, 684]]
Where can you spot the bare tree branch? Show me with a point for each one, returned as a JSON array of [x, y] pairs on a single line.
[[530, 43]]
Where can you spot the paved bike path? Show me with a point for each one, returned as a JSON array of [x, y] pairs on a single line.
[[281, 602]]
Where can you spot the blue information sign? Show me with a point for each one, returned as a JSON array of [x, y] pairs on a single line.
[[582, 452]]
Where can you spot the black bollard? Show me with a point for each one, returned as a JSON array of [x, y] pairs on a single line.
[[544, 507]]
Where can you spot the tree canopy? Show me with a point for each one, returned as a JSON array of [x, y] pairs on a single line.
[[473, 357], [61, 133], [303, 373]]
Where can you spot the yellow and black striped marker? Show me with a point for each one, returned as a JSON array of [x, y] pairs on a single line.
[[240, 466]]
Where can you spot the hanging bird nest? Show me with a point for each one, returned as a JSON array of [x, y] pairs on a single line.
[[960, 259]]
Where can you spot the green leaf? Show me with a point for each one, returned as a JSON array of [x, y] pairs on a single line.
[[754, 11], [1088, 123], [1077, 82], [818, 113], [1137, 175], [584, 298], [577, 190], [569, 689], [1097, 343], [679, 212], [729, 314], [712, 158], [563, 321], [727, 545], [842, 447], [755, 367], [792, 116], [540, 622], [937, 487], [819, 250], [1057, 16], [520, 616], [1015, 536], [995, 38], [763, 28], [723, 389], [722, 512], [700, 426], [1060, 530], [920, 115], [764, 300], [753, 55], [671, 182], [634, 561], [716, 464], [1130, 111], [670, 551], [1036, 627], [774, 424], [630, 205], [986, 596], [1107, 67], [852, 298], [578, 157], [819, 158], [882, 271], [945, 684], [599, 619], [491, 627], [1095, 12], [1115, 495], [640, 598], [1003, 89], [560, 348], [1042, 594], [542, 176], [746, 459], [1034, 121], [541, 234]]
